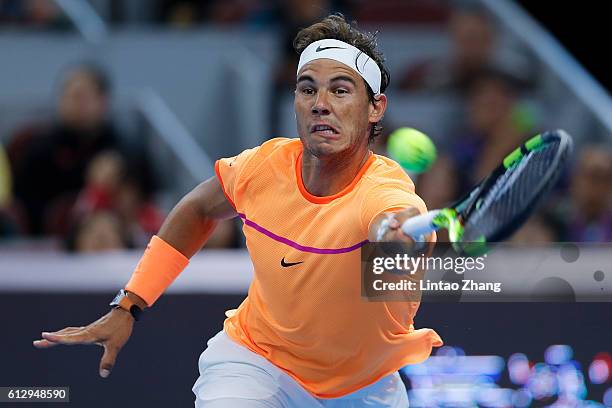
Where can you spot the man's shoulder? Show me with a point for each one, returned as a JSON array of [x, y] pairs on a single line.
[[388, 185], [385, 170], [276, 150], [280, 144], [273, 155]]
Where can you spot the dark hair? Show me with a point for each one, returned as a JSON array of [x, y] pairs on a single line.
[[336, 27]]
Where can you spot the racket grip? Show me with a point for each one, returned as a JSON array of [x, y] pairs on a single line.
[[420, 225]]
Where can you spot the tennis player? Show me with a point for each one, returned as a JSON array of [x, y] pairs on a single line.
[[303, 337]]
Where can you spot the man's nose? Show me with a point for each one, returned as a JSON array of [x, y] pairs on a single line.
[[321, 104]]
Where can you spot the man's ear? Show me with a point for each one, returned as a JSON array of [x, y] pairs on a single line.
[[377, 108]]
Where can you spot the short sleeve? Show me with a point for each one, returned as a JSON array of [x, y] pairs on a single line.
[[231, 171], [389, 197]]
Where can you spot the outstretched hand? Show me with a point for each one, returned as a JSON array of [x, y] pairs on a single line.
[[111, 332]]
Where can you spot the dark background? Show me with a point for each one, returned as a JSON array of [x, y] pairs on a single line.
[[583, 28]]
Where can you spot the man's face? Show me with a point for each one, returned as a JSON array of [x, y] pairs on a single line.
[[82, 105], [473, 38], [490, 103], [332, 108], [591, 188]]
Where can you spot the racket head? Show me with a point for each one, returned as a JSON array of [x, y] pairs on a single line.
[[505, 199]]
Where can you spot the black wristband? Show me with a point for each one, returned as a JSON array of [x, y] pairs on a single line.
[[136, 312], [122, 301]]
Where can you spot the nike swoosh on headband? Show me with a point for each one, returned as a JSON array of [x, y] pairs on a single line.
[[319, 48], [346, 54], [357, 64]]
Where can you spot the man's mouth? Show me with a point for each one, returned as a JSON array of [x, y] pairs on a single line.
[[324, 129]]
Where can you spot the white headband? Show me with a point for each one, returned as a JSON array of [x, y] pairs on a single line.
[[345, 53]]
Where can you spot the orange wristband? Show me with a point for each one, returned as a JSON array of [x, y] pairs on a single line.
[[158, 267]]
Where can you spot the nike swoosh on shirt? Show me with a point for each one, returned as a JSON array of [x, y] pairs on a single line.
[[287, 264], [319, 48]]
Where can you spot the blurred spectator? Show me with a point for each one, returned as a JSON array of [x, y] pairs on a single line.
[[5, 180], [39, 14], [588, 215], [473, 48], [49, 160], [9, 225], [137, 211], [111, 186], [492, 129], [112, 195], [98, 231]]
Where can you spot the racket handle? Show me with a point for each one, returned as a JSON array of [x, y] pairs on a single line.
[[420, 225]]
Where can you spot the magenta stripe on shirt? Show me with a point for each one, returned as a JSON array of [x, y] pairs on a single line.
[[295, 245]]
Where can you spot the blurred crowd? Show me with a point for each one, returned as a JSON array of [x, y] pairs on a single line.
[[46, 14], [71, 177], [492, 87]]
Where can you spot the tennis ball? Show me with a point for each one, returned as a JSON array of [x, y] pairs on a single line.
[[412, 149]]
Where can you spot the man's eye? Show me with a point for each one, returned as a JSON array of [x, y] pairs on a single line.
[[307, 91], [340, 91]]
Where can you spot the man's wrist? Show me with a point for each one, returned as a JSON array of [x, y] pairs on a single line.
[[123, 312], [137, 300], [131, 303]]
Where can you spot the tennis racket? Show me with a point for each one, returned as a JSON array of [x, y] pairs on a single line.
[[501, 202]]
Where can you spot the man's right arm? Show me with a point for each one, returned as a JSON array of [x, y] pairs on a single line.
[[188, 227], [185, 230], [193, 219]]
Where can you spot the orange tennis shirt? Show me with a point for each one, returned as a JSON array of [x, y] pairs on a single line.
[[309, 318]]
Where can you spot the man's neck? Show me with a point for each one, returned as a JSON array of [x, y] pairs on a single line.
[[328, 176]]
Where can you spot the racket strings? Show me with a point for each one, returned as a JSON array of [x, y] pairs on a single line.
[[512, 194]]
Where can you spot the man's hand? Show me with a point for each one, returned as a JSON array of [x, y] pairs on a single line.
[[111, 331], [387, 226]]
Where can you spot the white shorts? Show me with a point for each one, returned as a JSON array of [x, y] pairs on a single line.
[[233, 376]]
